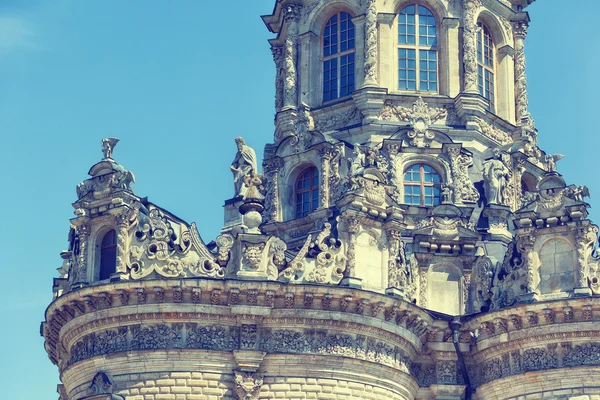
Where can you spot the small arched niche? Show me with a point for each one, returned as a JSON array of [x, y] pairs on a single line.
[[444, 286]]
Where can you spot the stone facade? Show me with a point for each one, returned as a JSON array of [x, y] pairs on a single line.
[[398, 244]]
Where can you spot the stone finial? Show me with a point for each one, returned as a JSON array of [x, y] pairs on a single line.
[[108, 145]]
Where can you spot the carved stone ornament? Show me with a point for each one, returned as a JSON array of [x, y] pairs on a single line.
[[108, 146], [497, 180], [248, 385], [157, 249], [371, 44], [470, 11], [331, 121], [101, 384], [243, 165], [494, 133], [420, 117], [319, 261], [463, 188], [252, 254], [103, 185], [292, 12]]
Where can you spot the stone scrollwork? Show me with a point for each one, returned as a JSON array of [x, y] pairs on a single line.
[[420, 117], [277, 52], [470, 11], [289, 58], [494, 133], [248, 385], [271, 170], [371, 44], [509, 279], [531, 260], [337, 120], [463, 188], [587, 240], [482, 284], [522, 102], [319, 261], [303, 126], [161, 250]]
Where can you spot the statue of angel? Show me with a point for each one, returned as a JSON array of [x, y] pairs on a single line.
[[578, 193]]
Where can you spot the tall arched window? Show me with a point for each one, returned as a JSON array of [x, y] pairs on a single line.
[[338, 57], [417, 49], [307, 192], [422, 185], [108, 255], [485, 64]]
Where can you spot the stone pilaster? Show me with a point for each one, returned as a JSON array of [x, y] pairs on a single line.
[[470, 8], [525, 245], [83, 231], [370, 67], [393, 238], [122, 222], [277, 52], [271, 171], [521, 100], [290, 98]]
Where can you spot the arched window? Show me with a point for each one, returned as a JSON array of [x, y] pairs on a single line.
[[421, 185], [307, 192], [338, 57], [417, 49], [108, 255], [485, 64]]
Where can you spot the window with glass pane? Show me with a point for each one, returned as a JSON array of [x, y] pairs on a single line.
[[338, 57], [486, 66], [307, 192], [417, 49], [422, 185], [108, 255]]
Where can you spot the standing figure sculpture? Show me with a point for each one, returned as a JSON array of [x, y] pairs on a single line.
[[108, 146], [243, 164], [496, 176], [357, 164]]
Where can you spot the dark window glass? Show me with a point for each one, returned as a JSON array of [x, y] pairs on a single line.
[[307, 192], [417, 59], [338, 57], [108, 255], [486, 67]]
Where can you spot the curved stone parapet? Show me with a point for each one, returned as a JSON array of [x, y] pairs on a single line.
[[307, 332]]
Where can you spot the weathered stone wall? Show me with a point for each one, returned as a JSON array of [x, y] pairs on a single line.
[[559, 384]]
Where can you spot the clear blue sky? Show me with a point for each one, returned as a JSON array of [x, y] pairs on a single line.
[[176, 82]]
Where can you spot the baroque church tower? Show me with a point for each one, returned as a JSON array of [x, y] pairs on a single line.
[[406, 238]]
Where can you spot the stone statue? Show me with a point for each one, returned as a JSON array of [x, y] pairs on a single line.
[[551, 160], [108, 145], [357, 164], [496, 177], [243, 164]]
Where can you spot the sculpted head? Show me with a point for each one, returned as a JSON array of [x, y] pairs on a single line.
[[239, 141]]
